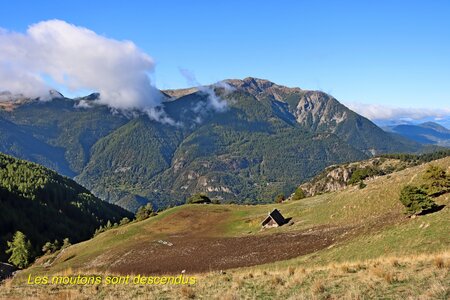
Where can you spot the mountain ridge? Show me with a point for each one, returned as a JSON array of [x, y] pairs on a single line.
[[427, 133], [268, 138]]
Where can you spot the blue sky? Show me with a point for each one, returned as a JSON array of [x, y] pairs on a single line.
[[389, 53]]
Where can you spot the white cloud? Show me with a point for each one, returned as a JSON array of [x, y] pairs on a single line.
[[83, 104], [383, 112], [214, 102], [78, 59], [14, 80]]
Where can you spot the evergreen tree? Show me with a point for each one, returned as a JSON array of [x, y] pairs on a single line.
[[416, 200], [20, 249], [438, 181]]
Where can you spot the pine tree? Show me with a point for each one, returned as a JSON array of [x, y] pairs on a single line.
[[20, 249], [438, 181], [416, 200]]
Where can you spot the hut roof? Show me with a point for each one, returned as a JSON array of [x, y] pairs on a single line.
[[276, 216]]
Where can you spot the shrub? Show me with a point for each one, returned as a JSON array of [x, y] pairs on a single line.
[[298, 194], [47, 248], [50, 247], [66, 243], [416, 200], [279, 198], [198, 198], [124, 221], [144, 212], [438, 181], [362, 184], [360, 174]]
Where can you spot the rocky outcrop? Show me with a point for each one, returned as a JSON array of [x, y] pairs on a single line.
[[338, 177], [316, 110], [261, 88], [335, 179]]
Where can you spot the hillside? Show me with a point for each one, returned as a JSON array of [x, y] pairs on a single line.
[[46, 206], [323, 247], [19, 142], [338, 177], [266, 140], [426, 133]]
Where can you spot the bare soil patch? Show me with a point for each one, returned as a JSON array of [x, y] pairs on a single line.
[[193, 241], [200, 254]]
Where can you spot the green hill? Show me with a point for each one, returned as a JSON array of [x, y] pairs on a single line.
[[46, 206], [336, 242]]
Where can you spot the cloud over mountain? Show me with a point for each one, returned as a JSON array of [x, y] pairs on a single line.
[[383, 112], [77, 58], [215, 102]]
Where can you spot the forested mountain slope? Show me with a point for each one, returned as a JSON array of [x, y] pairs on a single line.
[[46, 206]]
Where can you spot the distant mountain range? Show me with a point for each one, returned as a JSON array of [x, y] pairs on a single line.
[[426, 133], [265, 141], [442, 121]]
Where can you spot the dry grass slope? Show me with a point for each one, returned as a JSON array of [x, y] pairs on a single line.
[[406, 277]]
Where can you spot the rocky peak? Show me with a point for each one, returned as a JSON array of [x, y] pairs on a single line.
[[262, 88], [174, 94], [90, 97], [251, 83], [10, 101], [54, 94], [316, 108]]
